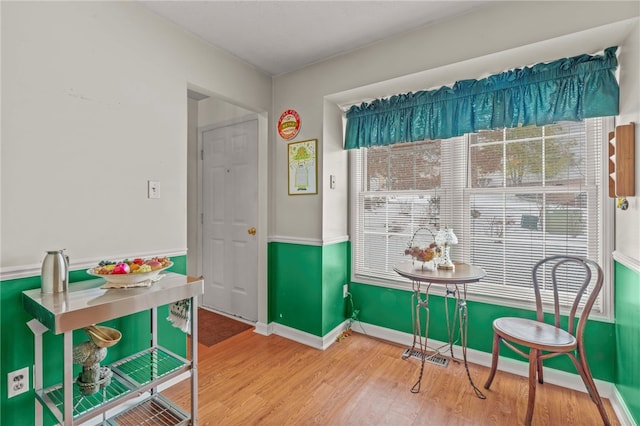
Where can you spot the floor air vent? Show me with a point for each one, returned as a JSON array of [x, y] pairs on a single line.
[[433, 358]]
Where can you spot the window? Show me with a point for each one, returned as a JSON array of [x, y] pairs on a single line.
[[512, 196]]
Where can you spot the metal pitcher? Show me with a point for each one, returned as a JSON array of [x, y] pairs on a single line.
[[55, 272]]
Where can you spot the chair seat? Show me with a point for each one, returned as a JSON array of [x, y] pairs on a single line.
[[534, 334]]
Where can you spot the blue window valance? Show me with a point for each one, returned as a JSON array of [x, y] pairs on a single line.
[[568, 89]]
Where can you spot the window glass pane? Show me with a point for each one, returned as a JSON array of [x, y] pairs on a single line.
[[523, 133], [402, 167], [377, 169], [514, 197], [486, 165], [427, 163], [564, 160], [487, 136], [524, 162]]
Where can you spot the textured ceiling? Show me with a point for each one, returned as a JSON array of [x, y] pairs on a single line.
[[282, 36]]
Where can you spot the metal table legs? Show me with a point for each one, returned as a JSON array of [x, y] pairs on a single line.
[[457, 323]]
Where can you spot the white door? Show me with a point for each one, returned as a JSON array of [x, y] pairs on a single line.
[[230, 213]]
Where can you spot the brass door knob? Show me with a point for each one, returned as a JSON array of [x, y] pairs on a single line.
[[252, 231]]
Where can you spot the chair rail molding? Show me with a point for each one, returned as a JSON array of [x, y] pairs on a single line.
[[308, 241], [629, 262], [35, 269]]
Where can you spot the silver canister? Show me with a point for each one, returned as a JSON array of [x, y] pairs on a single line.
[[55, 272]]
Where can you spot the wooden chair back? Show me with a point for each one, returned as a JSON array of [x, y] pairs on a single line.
[[561, 272]]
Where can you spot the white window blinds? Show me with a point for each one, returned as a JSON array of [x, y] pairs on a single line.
[[512, 196]]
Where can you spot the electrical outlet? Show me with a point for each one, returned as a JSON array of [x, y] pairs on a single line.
[[17, 382], [345, 290]]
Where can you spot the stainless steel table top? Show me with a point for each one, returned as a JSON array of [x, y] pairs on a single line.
[[463, 273], [85, 303]]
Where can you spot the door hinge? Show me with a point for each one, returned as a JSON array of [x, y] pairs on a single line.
[[202, 154], [201, 218]]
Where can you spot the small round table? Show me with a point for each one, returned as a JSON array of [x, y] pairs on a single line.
[[455, 282]]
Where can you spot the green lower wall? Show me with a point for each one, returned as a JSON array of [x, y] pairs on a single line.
[[16, 342], [391, 308], [295, 286], [305, 293], [627, 308], [335, 274], [305, 286]]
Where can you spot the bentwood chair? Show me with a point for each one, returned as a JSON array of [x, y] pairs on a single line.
[[551, 276]]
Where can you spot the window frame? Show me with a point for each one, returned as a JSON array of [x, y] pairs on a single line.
[[461, 150]]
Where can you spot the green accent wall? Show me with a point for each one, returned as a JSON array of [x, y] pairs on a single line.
[[17, 342], [295, 286], [627, 308], [391, 308], [335, 274], [305, 293], [305, 286]]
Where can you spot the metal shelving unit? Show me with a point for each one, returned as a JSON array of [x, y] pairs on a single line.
[[85, 304]]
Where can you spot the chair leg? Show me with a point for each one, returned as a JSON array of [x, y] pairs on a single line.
[[533, 366], [495, 351], [540, 377], [587, 378]]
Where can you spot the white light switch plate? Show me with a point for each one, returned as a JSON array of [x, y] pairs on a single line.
[[154, 189]]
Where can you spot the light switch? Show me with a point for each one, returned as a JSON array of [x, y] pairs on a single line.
[[154, 189]]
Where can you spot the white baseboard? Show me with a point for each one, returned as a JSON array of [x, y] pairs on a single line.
[[297, 335], [621, 409], [263, 329], [314, 341], [331, 337]]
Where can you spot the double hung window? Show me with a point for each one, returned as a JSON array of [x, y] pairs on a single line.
[[512, 196]]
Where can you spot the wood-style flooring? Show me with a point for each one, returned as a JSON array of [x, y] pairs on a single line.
[[250, 379]]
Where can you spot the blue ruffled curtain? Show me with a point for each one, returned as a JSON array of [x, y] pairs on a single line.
[[569, 89]]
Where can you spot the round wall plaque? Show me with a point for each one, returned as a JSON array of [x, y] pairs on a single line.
[[289, 124]]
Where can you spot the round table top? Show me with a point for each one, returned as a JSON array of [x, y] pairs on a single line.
[[463, 273]]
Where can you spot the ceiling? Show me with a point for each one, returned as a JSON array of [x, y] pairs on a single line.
[[278, 37]]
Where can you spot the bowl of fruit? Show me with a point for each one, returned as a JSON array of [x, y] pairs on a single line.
[[129, 272]]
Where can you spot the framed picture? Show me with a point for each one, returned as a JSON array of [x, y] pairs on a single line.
[[303, 167]]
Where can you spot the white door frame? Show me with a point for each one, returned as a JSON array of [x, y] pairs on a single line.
[[263, 188]]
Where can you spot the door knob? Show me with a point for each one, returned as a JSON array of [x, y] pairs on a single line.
[[252, 231]]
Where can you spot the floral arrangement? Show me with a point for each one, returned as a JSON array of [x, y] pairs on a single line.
[[423, 252]]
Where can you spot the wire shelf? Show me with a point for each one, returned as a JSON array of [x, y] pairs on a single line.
[[147, 366], [130, 373], [82, 403], [156, 411]]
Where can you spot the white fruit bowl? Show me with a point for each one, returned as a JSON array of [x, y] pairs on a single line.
[[129, 279]]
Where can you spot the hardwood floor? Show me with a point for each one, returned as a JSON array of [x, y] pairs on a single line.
[[252, 379]]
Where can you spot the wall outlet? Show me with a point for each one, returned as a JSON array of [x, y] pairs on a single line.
[[17, 382], [345, 290]]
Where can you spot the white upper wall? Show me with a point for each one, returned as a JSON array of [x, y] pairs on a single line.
[[628, 222], [487, 41], [94, 104]]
